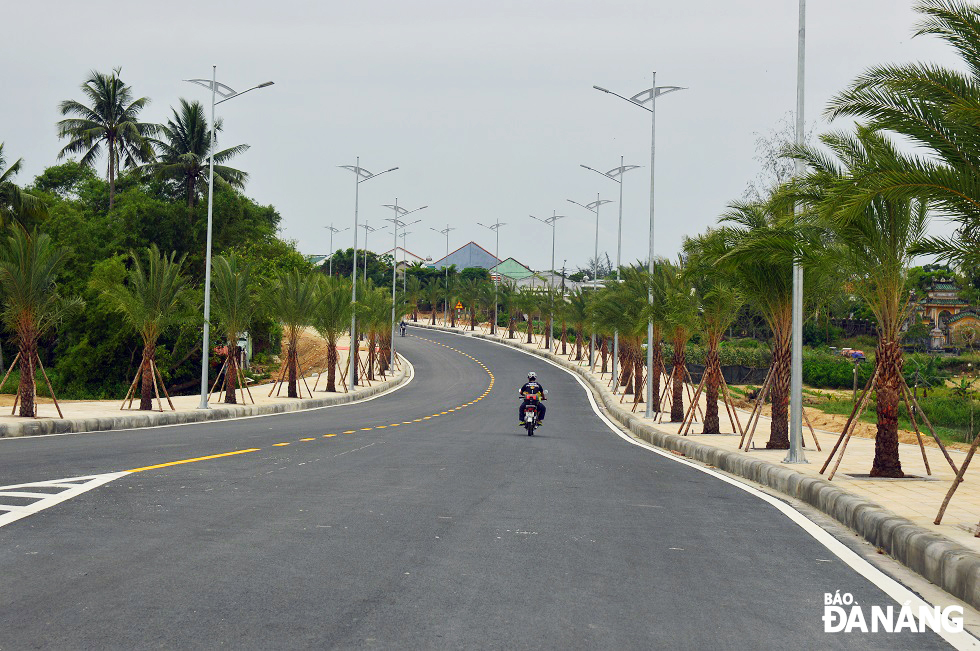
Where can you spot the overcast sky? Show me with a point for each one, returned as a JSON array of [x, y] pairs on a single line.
[[486, 107]]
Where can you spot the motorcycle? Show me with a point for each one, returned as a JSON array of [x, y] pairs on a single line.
[[531, 412]]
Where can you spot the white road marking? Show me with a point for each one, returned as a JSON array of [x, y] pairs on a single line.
[[885, 583], [71, 487]]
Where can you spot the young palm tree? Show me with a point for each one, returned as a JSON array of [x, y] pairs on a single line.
[[876, 246], [433, 294], [293, 299], [112, 121], [624, 307], [527, 302], [332, 319], [155, 297], [182, 153], [681, 315], [16, 205], [470, 291], [506, 299], [373, 314], [936, 108], [29, 265], [234, 305], [577, 312], [414, 294]]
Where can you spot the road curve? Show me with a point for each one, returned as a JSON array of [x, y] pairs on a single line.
[[415, 529]]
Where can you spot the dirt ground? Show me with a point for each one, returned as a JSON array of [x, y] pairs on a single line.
[[836, 422]]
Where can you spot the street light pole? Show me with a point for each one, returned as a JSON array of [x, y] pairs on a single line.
[[227, 93], [405, 260], [360, 175], [445, 231], [396, 222], [616, 174], [495, 227], [367, 229], [650, 96], [332, 231], [594, 207], [795, 454], [551, 221]]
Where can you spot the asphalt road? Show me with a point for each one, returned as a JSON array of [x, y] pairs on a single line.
[[456, 531]]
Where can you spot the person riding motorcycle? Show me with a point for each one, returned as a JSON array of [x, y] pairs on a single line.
[[533, 387]]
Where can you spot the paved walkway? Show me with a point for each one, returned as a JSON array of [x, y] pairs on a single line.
[[916, 499]]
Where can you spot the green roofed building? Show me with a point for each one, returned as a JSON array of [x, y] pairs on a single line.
[[511, 269]]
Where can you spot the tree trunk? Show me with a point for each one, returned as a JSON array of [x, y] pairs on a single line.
[[888, 358], [28, 352], [638, 375], [332, 365], [231, 377], [112, 172], [625, 366], [658, 363], [779, 432], [604, 354], [680, 366], [292, 362], [384, 352], [452, 317], [564, 337], [415, 314], [510, 327], [472, 319], [712, 382], [530, 325], [578, 345], [372, 342], [146, 372]]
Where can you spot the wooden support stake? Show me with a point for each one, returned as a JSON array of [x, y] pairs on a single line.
[[163, 386], [685, 424], [840, 457], [957, 480], [50, 388], [758, 414], [925, 419], [843, 433], [155, 389]]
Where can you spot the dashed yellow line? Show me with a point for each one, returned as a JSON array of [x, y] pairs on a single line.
[[278, 445], [307, 439], [177, 463]]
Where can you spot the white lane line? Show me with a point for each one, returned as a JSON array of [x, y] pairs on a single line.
[[411, 376], [74, 486], [885, 583]]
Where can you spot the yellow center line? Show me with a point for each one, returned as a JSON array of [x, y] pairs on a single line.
[[364, 429], [350, 431], [279, 445], [379, 427], [326, 436], [212, 456], [307, 439]]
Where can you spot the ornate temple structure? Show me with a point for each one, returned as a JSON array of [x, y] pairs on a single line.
[[945, 313]]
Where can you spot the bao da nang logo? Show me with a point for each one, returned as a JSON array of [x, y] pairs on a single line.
[[841, 614]]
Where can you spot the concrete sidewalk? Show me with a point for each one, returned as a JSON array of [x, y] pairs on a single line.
[[894, 514], [97, 415]]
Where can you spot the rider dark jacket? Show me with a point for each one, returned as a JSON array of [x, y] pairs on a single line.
[[533, 387]]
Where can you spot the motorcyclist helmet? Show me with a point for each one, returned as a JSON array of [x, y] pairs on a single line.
[[531, 376]]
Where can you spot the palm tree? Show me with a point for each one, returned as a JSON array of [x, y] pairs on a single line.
[[527, 303], [16, 205], [470, 290], [434, 293], [373, 312], [876, 246], [937, 109], [155, 297], [182, 153], [234, 307], [413, 294], [112, 120], [332, 319], [577, 312], [506, 299], [624, 307], [293, 299], [681, 318], [29, 265]]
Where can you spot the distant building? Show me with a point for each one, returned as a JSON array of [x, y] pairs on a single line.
[[945, 312], [470, 254], [510, 270], [405, 257]]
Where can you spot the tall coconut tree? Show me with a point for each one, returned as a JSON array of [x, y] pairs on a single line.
[[234, 305], [154, 297], [109, 121], [183, 150], [332, 319], [16, 205], [293, 299], [876, 247], [32, 306]]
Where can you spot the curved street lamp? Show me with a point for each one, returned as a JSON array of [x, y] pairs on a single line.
[[445, 231], [227, 93], [332, 232], [616, 174], [550, 221], [649, 96], [397, 223], [594, 207], [495, 227], [360, 176]]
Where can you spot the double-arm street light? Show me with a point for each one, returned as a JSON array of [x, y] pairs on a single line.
[[550, 221], [368, 229], [360, 176], [594, 207], [405, 259], [396, 224], [616, 174], [495, 227], [445, 231], [332, 232], [227, 93], [649, 96]]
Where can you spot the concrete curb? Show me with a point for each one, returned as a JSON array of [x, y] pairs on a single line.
[[136, 419], [951, 566]]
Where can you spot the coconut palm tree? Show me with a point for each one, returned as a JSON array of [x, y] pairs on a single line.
[[876, 246], [293, 299], [936, 108], [16, 205], [29, 266], [234, 305], [111, 120], [332, 319], [155, 297], [183, 150]]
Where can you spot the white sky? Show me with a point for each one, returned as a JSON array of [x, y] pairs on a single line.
[[487, 107]]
